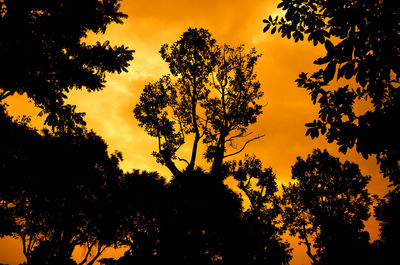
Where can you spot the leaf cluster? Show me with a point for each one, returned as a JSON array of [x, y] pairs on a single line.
[[361, 42], [44, 55]]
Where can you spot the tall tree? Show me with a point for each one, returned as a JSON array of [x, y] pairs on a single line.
[[44, 55], [326, 206], [211, 96], [361, 39]]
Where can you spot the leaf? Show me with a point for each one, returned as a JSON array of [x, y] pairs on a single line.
[[267, 28], [329, 46], [349, 73], [329, 72], [343, 149], [322, 60], [273, 30]]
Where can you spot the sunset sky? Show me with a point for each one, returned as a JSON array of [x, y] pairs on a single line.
[[152, 23]]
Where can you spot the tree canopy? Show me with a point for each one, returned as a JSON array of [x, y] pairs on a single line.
[[55, 192], [361, 40], [326, 207], [211, 96], [44, 54], [263, 230]]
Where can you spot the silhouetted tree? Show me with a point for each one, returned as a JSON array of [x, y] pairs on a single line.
[[362, 44], [212, 98], [143, 198], [387, 212], [43, 54], [57, 192], [190, 220], [262, 234], [196, 219], [204, 223], [326, 206], [16, 141]]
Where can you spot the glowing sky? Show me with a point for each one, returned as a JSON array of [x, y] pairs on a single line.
[[152, 23]]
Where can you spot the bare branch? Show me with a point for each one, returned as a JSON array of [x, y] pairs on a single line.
[[204, 128], [182, 159], [89, 250], [308, 244], [244, 146], [241, 134], [100, 251]]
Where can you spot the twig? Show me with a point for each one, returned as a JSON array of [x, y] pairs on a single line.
[[247, 142]]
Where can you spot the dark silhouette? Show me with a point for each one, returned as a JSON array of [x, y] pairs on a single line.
[[212, 98], [326, 206], [262, 237], [56, 192], [361, 40], [43, 55], [142, 200], [388, 213], [362, 44], [196, 219]]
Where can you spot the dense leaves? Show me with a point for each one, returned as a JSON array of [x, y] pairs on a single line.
[[361, 39], [263, 229], [56, 191], [211, 96], [326, 206], [388, 213], [44, 55]]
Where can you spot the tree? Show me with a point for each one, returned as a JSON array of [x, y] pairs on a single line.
[[142, 199], [262, 234], [44, 55], [212, 98], [361, 39], [326, 206], [190, 220], [387, 212], [56, 192]]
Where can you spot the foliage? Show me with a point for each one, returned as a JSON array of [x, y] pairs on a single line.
[[263, 242], [361, 39], [211, 96], [56, 191], [44, 55], [326, 206], [201, 226], [387, 212], [142, 198]]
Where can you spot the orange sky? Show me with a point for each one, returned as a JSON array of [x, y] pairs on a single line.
[[152, 23]]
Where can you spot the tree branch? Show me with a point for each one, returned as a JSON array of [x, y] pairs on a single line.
[[242, 134], [89, 250], [308, 244], [99, 252], [182, 159], [244, 146]]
